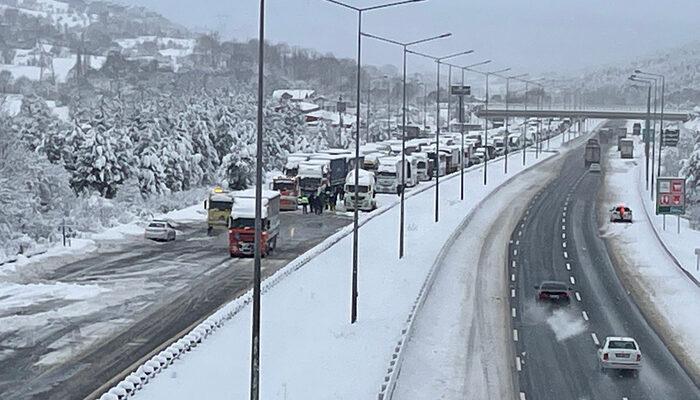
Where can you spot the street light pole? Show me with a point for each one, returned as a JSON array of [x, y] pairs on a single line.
[[486, 118], [257, 267], [355, 230], [403, 127], [507, 139], [647, 124], [661, 125], [438, 61]]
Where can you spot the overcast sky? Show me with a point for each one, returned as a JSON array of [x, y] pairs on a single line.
[[528, 35]]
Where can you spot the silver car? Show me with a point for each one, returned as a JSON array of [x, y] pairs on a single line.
[[160, 230]]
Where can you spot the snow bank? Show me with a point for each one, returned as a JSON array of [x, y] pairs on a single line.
[[309, 350], [669, 298]]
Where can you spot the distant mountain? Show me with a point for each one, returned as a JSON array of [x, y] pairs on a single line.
[[92, 23], [681, 66]]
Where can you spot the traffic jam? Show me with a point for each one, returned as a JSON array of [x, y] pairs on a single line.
[[325, 180]]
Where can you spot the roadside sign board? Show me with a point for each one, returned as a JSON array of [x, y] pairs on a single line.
[[670, 137], [670, 196], [460, 90], [341, 107]]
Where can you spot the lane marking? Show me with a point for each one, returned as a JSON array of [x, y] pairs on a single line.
[[563, 244], [563, 214], [585, 315], [520, 233], [512, 292], [518, 365], [578, 296], [595, 339], [625, 398], [515, 252], [573, 281], [522, 396], [513, 264], [563, 220], [513, 312], [512, 277], [563, 227], [566, 255], [563, 235], [515, 335], [522, 225], [568, 267], [564, 207], [517, 242]]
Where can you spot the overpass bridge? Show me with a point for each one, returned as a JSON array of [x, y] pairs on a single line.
[[500, 112]]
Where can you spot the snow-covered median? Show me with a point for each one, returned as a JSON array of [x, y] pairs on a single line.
[[669, 299], [309, 350]]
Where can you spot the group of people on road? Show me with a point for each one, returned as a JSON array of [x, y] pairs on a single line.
[[319, 201]]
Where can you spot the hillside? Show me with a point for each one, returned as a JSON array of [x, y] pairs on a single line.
[[681, 66]]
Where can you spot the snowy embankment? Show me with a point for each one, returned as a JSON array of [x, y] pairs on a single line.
[[89, 242], [309, 350], [647, 263]]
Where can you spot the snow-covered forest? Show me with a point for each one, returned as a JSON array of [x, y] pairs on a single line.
[[123, 159]]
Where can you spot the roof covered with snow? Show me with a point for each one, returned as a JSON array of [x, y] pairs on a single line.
[[293, 94]]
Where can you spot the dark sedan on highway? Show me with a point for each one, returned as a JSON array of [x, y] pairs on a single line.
[[553, 291]]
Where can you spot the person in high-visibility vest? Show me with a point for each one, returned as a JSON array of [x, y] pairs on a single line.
[[304, 201]]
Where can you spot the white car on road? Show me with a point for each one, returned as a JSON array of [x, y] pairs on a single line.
[[160, 230], [620, 353]]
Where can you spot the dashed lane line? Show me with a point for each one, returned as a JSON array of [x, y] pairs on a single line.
[[595, 339], [515, 335], [522, 396], [566, 255], [518, 364], [512, 292], [572, 280], [585, 315], [513, 312], [578, 296]]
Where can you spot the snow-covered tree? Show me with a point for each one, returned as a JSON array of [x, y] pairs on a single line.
[[102, 158], [237, 168]]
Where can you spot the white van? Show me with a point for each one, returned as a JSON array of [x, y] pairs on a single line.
[[365, 191]]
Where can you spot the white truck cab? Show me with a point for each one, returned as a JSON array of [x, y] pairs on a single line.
[[366, 191]]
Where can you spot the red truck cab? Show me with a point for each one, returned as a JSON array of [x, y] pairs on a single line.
[[241, 232]]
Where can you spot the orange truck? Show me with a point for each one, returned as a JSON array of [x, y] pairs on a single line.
[[241, 227]]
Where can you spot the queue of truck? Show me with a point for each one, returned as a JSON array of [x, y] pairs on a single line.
[[383, 169]]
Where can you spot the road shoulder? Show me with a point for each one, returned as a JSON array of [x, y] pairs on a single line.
[[462, 345], [667, 298]]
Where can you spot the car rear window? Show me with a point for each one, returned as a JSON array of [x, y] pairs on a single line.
[[622, 344], [156, 225], [553, 286]]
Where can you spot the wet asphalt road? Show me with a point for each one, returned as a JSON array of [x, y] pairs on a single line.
[[556, 350], [152, 292]]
